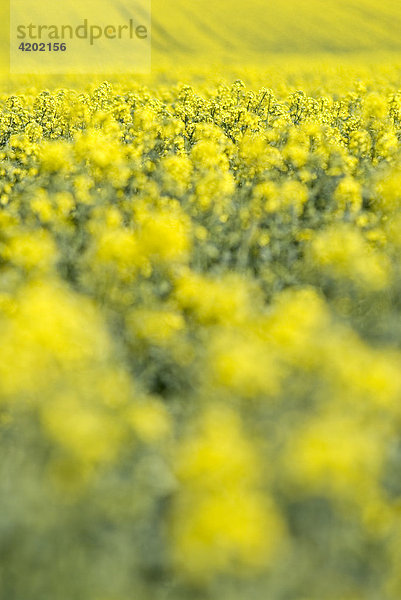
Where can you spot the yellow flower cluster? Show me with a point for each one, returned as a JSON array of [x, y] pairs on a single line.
[[200, 364]]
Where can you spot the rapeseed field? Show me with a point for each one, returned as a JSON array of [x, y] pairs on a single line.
[[200, 320]]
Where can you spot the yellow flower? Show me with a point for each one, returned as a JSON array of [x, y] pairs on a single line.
[[55, 156], [388, 199], [342, 252], [90, 434], [32, 251], [375, 106], [348, 195], [150, 420], [117, 251], [176, 174], [158, 326], [229, 299], [221, 522], [243, 364], [334, 453], [165, 236]]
